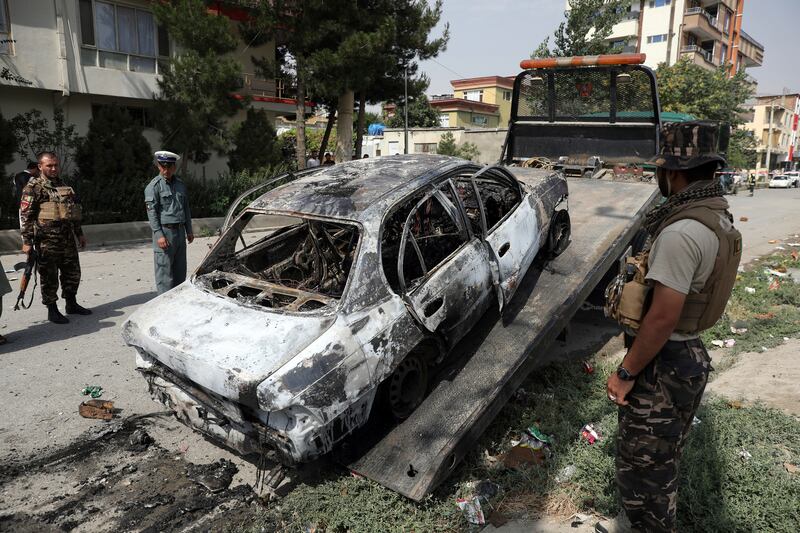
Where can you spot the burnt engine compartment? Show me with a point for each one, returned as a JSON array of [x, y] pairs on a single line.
[[301, 267]]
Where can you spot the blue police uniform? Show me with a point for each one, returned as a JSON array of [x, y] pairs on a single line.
[[169, 216]]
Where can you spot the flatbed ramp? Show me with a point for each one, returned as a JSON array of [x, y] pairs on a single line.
[[415, 456]]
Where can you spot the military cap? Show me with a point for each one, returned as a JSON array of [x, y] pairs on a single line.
[[163, 156], [686, 145]]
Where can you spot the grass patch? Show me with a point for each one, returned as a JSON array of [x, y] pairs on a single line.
[[719, 490], [768, 315]]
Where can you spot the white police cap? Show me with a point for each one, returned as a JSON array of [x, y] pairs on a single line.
[[163, 156]]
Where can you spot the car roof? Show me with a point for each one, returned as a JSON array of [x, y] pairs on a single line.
[[348, 190]]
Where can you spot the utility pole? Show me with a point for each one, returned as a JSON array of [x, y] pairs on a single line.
[[405, 111]]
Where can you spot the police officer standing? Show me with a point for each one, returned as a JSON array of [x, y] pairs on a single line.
[[688, 274], [51, 220], [170, 219]]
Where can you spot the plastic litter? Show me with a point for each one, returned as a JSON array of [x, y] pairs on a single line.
[[589, 434], [95, 391], [696, 421], [566, 473], [727, 343], [588, 368], [745, 455], [485, 489], [521, 456], [471, 509], [534, 432], [738, 331], [774, 272], [749, 290], [773, 285]]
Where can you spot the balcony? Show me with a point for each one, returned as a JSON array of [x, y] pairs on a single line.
[[699, 56], [751, 50], [698, 21], [253, 85]]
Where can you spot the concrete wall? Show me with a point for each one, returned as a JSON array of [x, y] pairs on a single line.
[[655, 21], [488, 141]]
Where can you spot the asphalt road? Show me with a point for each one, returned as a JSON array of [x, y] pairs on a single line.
[[44, 366]]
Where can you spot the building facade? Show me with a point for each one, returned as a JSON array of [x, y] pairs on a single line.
[[774, 123], [708, 32], [79, 55]]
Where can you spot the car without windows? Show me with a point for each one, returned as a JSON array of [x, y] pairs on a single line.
[[338, 293]]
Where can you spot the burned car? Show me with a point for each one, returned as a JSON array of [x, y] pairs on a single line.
[[338, 293]]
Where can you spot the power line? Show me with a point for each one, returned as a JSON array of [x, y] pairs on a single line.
[[448, 68]]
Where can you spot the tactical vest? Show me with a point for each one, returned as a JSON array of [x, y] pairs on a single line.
[[628, 296], [60, 207]]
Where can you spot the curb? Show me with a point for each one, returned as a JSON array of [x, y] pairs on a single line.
[[99, 235]]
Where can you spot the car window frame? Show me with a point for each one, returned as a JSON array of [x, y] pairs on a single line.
[[453, 211], [495, 173]]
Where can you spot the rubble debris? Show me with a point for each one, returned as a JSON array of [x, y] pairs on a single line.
[[727, 343], [471, 509], [485, 489], [589, 434], [498, 519], [773, 241], [159, 499], [215, 477], [95, 391], [743, 219], [139, 440], [735, 404], [99, 409], [578, 519], [765, 316], [738, 331]]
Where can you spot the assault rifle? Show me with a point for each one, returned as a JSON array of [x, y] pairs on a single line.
[[30, 271]]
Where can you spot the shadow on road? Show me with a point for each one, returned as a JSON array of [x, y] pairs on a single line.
[[44, 332]]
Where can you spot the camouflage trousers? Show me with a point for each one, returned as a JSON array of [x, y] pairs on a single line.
[[58, 261], [652, 432]]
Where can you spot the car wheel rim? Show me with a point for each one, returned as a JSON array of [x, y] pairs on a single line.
[[407, 386]]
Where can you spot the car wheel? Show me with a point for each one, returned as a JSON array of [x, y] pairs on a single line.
[[558, 234], [407, 386]]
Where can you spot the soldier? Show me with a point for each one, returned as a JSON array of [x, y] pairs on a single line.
[[171, 221], [51, 220], [680, 287]]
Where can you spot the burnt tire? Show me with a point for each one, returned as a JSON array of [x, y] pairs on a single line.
[[558, 234], [406, 387]]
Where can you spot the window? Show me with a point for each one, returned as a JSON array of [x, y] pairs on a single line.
[[475, 96], [444, 120], [618, 45], [507, 96], [723, 55], [660, 3], [727, 24], [425, 148], [469, 199], [480, 120], [661, 38], [5, 30], [498, 197], [121, 37]]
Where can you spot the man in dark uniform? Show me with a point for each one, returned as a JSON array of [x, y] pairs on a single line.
[[687, 276], [21, 179], [167, 202], [50, 218]]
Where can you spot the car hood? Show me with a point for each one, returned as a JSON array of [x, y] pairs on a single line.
[[219, 343]]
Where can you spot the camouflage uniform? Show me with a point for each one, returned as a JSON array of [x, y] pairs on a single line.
[[58, 252], [653, 429]]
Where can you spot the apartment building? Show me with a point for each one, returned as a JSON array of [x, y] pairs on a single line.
[[774, 124], [708, 32], [78, 55]]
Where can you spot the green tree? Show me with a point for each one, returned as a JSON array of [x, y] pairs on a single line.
[[255, 143], [447, 146], [196, 92], [34, 134], [8, 143], [420, 114], [115, 164], [742, 149], [709, 95], [588, 25]]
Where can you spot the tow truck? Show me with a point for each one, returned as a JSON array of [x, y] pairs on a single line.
[[586, 116]]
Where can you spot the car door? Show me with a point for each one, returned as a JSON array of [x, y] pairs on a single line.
[[512, 227], [443, 269]]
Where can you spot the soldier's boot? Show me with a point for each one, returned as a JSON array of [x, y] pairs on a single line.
[[73, 308], [620, 524], [55, 316]]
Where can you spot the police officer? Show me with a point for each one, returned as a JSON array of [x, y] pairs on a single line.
[[171, 221], [51, 219], [751, 183], [689, 272]]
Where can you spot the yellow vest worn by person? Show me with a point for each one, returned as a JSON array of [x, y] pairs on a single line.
[[60, 207], [628, 295]]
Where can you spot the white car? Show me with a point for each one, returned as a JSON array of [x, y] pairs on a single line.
[[339, 290], [794, 176], [781, 181]]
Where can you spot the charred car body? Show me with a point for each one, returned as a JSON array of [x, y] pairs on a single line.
[[339, 291]]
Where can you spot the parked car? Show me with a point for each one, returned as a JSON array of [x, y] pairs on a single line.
[[780, 181], [338, 293], [794, 177]]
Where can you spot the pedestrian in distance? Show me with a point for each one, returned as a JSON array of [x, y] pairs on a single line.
[[170, 218], [328, 159], [751, 183], [676, 288], [312, 162], [50, 215]]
